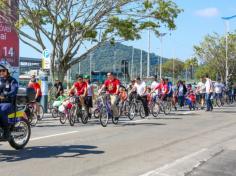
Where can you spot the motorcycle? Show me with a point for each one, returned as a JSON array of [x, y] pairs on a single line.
[[19, 126]]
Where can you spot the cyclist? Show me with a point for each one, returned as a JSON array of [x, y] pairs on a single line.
[[8, 92], [33, 84], [80, 89], [112, 85], [90, 94], [140, 88]]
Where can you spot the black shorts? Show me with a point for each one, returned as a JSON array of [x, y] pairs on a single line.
[[88, 101], [38, 99]]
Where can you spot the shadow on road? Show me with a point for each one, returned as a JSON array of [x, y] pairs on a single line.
[[136, 124], [70, 151]]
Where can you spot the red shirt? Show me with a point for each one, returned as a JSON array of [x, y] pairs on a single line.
[[80, 87], [111, 85], [35, 86], [163, 88]]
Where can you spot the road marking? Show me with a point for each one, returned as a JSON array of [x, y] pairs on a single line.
[[176, 162], [54, 135]]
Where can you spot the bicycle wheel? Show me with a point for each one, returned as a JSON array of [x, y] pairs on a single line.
[[155, 109], [142, 112], [62, 118], [132, 111], [72, 117], [41, 112], [96, 113], [54, 112], [167, 108], [103, 117], [84, 117], [115, 120]]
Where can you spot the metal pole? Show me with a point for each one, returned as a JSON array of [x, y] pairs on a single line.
[[148, 57], [79, 68], [132, 64], [161, 57], [141, 64], [90, 66], [186, 74], [226, 52], [173, 76]]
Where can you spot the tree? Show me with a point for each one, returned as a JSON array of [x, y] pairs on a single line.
[[72, 29], [190, 64], [202, 70], [211, 52], [173, 67]]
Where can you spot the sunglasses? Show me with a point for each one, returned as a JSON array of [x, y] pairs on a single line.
[[2, 71]]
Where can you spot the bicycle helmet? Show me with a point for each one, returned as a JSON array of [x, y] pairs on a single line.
[[4, 65]]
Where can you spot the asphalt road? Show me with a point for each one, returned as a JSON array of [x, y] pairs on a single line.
[[183, 143]]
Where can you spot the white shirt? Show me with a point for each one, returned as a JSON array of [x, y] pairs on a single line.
[[154, 85], [218, 87], [140, 88], [209, 85], [201, 87]]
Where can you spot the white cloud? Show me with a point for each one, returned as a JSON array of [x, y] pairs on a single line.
[[208, 12]]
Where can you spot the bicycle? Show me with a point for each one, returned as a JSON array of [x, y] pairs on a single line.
[[77, 112], [105, 112], [136, 108], [33, 115], [162, 105]]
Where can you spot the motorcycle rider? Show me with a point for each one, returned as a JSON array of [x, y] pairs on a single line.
[[8, 92]]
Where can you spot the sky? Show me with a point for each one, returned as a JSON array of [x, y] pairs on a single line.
[[200, 17]]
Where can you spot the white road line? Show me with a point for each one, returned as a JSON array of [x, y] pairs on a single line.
[[168, 166], [54, 135]]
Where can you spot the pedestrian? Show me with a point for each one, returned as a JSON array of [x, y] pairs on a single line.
[[181, 92], [201, 90], [209, 93], [59, 87]]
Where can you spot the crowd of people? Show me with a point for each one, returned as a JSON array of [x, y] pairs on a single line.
[[193, 95]]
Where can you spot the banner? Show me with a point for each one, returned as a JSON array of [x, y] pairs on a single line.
[[9, 40]]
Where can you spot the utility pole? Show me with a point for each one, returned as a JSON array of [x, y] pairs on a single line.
[[132, 64], [141, 64]]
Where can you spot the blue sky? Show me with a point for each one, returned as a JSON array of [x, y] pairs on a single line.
[[200, 17]]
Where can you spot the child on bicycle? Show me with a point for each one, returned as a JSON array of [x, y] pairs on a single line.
[[122, 96], [59, 100]]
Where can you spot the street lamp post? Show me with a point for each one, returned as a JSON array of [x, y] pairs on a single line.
[[161, 58], [226, 19]]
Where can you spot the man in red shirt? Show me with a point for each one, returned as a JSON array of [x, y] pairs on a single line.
[[112, 86], [80, 89], [33, 84]]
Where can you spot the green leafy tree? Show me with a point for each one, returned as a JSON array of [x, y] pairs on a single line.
[[173, 68], [72, 29], [212, 52]]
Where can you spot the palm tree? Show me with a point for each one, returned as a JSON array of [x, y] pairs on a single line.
[[190, 64]]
